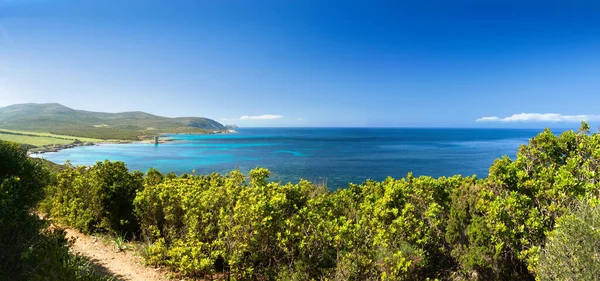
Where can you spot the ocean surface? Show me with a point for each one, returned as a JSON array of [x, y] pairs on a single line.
[[333, 156]]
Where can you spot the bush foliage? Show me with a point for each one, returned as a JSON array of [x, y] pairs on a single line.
[[414, 228], [99, 198], [572, 251]]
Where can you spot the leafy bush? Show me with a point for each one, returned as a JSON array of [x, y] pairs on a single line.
[[572, 251], [21, 183], [185, 212], [95, 198]]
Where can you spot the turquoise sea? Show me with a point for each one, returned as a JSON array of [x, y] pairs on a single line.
[[334, 156]]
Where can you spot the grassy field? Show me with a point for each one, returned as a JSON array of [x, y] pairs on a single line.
[[55, 136], [42, 139], [35, 141], [39, 139]]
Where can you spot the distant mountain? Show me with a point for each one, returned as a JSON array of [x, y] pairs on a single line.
[[59, 119]]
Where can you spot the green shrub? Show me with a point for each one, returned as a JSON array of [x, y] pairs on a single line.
[[95, 198], [498, 227], [21, 183], [572, 250], [182, 216]]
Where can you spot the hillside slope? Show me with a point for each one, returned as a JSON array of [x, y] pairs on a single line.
[[59, 119]]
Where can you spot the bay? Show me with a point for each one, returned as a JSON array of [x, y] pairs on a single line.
[[331, 156]]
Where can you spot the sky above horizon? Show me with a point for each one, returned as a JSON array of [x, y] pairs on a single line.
[[310, 63]]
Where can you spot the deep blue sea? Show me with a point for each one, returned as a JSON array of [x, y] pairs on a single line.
[[334, 156]]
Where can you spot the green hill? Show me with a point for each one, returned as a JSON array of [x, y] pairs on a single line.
[[59, 119]]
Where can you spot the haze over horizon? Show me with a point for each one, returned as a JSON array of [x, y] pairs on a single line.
[[308, 63]]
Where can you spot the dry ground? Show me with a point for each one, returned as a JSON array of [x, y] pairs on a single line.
[[124, 265]]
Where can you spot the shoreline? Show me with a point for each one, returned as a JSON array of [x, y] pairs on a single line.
[[59, 147], [208, 133], [161, 139]]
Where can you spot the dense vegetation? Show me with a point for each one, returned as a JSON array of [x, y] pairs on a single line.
[[520, 223], [61, 120], [29, 250]]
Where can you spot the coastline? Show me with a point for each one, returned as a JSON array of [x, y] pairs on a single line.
[[229, 131], [161, 139], [59, 147]]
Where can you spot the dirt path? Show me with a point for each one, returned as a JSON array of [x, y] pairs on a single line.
[[123, 265]]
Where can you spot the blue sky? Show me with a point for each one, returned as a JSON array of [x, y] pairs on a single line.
[[310, 63]]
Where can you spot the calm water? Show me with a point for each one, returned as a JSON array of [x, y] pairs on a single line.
[[335, 156]]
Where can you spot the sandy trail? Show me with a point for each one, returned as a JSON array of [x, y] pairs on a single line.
[[124, 265]]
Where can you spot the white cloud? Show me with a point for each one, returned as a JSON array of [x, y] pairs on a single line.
[[300, 119], [487, 119], [261, 117], [540, 117]]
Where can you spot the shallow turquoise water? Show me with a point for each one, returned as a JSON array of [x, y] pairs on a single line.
[[334, 156]]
